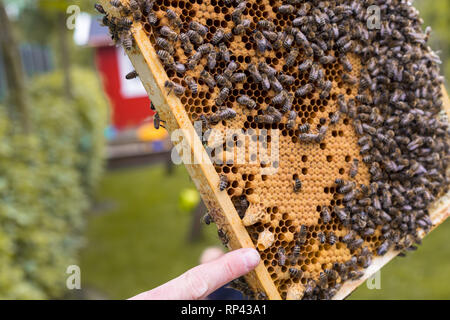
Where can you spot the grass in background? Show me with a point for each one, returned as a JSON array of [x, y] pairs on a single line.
[[141, 243], [423, 274]]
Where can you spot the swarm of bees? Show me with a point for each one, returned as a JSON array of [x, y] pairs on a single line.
[[403, 140]]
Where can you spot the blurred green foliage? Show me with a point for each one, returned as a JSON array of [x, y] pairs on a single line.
[[139, 240], [45, 179], [436, 14]]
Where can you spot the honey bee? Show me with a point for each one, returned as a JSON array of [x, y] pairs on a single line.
[[351, 80], [349, 237], [291, 57], [323, 280], [332, 238], [223, 81], [224, 114], [152, 18], [247, 101], [301, 236], [355, 275], [237, 13], [242, 27], [295, 273], [131, 75], [224, 53], [295, 254], [331, 274], [148, 6], [223, 182], [137, 15], [291, 120], [303, 91], [207, 219], [346, 63], [192, 84], [326, 215], [314, 73], [297, 185], [238, 77], [354, 168], [326, 88], [100, 8], [309, 288], [217, 36], [266, 24], [222, 96], [286, 9], [177, 89], [127, 41], [261, 42], [199, 28], [281, 256], [327, 59], [165, 45], [265, 119], [157, 122], [288, 41], [174, 18], [124, 23], [194, 60], [280, 98], [308, 137], [265, 68], [304, 128], [223, 236], [254, 72], [286, 79], [322, 237], [275, 84], [168, 33], [212, 56], [186, 43], [287, 106], [270, 35], [165, 57], [195, 37], [261, 296], [231, 68], [134, 5], [342, 215], [334, 119], [205, 48], [278, 42], [208, 79]]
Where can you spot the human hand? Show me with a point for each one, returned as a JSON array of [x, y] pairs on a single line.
[[199, 282]]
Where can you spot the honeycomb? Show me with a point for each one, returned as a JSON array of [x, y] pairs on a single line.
[[273, 212]]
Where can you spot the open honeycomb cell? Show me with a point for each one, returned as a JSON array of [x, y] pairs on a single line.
[[356, 175]]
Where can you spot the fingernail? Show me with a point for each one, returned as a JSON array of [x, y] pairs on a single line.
[[251, 258]]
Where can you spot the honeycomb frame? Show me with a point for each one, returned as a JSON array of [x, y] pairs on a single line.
[[206, 178]]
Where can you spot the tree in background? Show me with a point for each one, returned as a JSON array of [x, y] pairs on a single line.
[[47, 172], [14, 71]]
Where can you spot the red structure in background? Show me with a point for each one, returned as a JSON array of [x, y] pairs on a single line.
[[127, 112]]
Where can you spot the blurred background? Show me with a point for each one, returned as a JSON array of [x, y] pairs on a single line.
[[86, 179]]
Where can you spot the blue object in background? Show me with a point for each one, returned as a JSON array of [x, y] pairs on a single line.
[[110, 132], [224, 293], [158, 146]]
